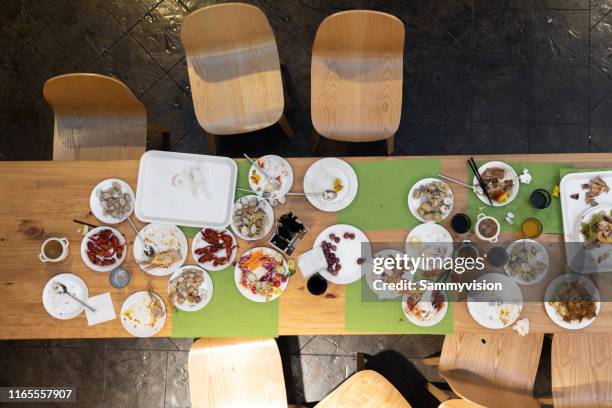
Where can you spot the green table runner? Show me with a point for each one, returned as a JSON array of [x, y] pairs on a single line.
[[382, 198], [229, 314], [544, 175]]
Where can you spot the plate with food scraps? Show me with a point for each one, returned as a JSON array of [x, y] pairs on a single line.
[[143, 314], [62, 306], [430, 199], [429, 241], [528, 261], [425, 308], [331, 174], [346, 249], [252, 218], [494, 309], [572, 301], [190, 288], [170, 245], [276, 167], [391, 274], [261, 274], [111, 201], [502, 183], [214, 249], [103, 249]]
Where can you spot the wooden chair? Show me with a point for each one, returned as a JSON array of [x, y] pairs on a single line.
[[364, 389], [234, 70], [96, 118], [458, 403], [582, 370], [232, 372], [492, 370], [356, 77]]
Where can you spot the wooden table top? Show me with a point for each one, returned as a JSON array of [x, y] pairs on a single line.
[[40, 200]]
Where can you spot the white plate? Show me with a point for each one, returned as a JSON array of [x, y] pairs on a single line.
[[430, 239], [141, 324], [588, 215], [159, 201], [370, 276], [348, 251], [320, 176], [206, 285], [260, 272], [414, 203], [106, 268], [510, 174], [63, 307], [198, 242], [268, 210], [550, 311], [275, 166], [161, 238], [486, 311], [431, 317], [541, 257], [96, 206]]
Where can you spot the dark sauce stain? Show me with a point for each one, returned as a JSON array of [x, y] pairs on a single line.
[[30, 229], [330, 296]]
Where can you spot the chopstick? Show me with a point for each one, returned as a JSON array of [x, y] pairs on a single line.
[[474, 168], [85, 223], [456, 181]]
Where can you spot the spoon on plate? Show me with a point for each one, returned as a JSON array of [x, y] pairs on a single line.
[[327, 195], [61, 289], [147, 249], [276, 185]]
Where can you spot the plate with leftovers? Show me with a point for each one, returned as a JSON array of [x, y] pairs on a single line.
[[430, 199], [262, 274], [331, 174], [111, 201], [496, 309], [190, 288], [62, 306], [276, 167], [572, 301], [430, 241], [502, 183], [425, 307], [596, 225], [214, 249], [346, 249], [390, 274], [103, 249], [528, 261], [170, 245], [252, 217], [143, 314]]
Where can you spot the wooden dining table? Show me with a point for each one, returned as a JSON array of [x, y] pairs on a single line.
[[40, 199]]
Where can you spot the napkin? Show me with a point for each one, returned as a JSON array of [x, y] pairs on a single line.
[[311, 262], [104, 309]]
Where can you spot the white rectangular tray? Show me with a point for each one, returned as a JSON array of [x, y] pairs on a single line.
[[158, 200]]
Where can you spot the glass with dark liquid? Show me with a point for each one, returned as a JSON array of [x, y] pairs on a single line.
[[317, 284], [540, 198], [461, 223]]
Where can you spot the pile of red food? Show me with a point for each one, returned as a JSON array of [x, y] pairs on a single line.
[[104, 248], [217, 241]]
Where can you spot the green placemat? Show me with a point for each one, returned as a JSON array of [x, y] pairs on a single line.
[[385, 316], [544, 175], [381, 201], [229, 314]]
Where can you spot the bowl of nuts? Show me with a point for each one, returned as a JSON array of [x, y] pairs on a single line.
[[190, 288]]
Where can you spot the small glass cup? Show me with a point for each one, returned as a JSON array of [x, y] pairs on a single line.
[[540, 198], [119, 278], [532, 228], [317, 284], [461, 223]]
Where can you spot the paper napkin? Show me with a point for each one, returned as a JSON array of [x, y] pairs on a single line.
[[310, 262], [104, 309]]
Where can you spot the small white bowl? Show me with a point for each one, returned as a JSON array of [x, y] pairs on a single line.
[[482, 217], [269, 213]]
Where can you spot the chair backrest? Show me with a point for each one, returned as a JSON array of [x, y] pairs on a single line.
[[233, 372], [234, 69], [357, 76], [581, 366], [365, 389], [458, 403], [96, 118], [492, 369]]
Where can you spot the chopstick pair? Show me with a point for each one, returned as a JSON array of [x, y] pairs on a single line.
[[483, 186]]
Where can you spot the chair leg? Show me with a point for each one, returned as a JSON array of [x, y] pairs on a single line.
[[284, 124], [212, 143], [390, 145], [314, 140]]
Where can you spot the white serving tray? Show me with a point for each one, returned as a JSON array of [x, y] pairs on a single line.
[[572, 210], [157, 200]]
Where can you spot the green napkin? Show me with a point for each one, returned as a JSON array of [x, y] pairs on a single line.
[[544, 175], [382, 198]]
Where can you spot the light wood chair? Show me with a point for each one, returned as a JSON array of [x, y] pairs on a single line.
[[234, 70], [364, 389], [458, 403], [492, 370], [356, 77], [232, 372], [582, 370], [96, 118]]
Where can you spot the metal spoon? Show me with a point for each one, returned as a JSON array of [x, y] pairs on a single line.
[[273, 182], [327, 195], [62, 290], [148, 249]]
